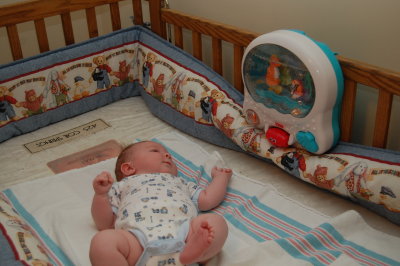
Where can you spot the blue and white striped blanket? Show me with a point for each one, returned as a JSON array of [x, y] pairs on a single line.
[[266, 228]]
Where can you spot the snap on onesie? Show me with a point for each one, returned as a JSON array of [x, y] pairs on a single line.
[[157, 208]]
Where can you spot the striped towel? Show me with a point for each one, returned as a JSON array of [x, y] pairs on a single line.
[[265, 228]]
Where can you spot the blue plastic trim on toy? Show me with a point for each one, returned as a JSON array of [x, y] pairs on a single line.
[[340, 84], [340, 80], [307, 140]]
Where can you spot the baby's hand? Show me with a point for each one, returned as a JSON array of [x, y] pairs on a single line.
[[102, 183], [221, 172]]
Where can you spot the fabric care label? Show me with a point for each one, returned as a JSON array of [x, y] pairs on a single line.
[[61, 138], [98, 153]]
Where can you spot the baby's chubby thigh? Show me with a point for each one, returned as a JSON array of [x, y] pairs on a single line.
[[114, 246]]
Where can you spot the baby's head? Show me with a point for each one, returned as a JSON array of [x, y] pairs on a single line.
[[144, 158]]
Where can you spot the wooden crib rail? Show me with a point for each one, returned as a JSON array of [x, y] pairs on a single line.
[[385, 81], [38, 10], [218, 32]]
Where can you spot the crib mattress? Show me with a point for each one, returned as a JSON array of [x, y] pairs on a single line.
[[130, 119]]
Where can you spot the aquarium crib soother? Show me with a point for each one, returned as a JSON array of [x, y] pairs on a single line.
[[293, 89]]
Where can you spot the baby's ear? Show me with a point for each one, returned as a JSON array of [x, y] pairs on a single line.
[[127, 169]]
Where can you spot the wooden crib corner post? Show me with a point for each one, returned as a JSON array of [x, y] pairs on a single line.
[[157, 25]]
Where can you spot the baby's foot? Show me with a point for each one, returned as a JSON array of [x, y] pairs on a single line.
[[197, 244]]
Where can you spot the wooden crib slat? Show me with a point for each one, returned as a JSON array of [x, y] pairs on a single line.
[[92, 22], [67, 28], [348, 107], [207, 27], [157, 24], [178, 35], [137, 12], [14, 41], [41, 34], [197, 45], [115, 16], [382, 119], [217, 55], [21, 11], [237, 67]]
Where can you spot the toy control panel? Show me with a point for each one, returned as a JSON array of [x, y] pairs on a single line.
[[293, 90]]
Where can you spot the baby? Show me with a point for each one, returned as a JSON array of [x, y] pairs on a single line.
[[151, 211]]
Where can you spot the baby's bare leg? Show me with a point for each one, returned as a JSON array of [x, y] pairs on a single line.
[[207, 235], [114, 247]]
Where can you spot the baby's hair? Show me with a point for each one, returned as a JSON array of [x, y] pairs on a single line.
[[123, 157]]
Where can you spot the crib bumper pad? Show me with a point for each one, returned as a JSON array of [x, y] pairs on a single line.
[[187, 94]]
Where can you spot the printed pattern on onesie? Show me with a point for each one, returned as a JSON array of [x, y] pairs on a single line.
[[155, 204]]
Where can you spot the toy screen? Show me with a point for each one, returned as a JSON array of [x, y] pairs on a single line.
[[277, 78]]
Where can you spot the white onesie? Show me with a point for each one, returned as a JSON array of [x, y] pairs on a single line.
[[157, 209]]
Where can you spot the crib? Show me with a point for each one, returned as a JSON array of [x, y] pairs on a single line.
[[125, 118], [384, 80]]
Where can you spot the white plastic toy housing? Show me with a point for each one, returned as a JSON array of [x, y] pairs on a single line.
[[320, 124]]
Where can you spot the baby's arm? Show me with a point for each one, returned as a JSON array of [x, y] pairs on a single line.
[[215, 192], [102, 213]]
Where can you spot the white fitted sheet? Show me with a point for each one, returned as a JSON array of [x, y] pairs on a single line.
[[130, 119]]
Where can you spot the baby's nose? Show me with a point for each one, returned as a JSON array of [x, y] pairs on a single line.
[[167, 155]]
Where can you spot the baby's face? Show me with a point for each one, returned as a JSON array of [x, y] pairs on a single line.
[[152, 157]]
